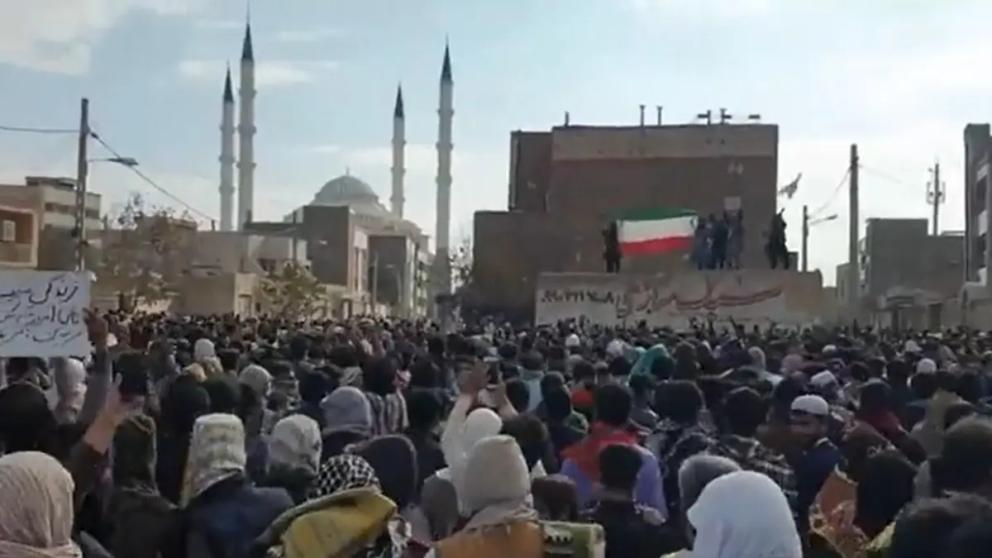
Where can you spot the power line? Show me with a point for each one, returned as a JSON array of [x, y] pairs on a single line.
[[151, 182], [27, 130], [887, 176], [833, 195]]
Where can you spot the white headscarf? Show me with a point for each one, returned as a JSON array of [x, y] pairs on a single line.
[[37, 512], [203, 349], [70, 386], [743, 515], [480, 423], [487, 499], [216, 452], [296, 444]]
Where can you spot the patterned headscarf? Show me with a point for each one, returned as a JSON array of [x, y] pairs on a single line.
[[343, 472], [295, 444], [37, 512], [216, 452], [135, 453]]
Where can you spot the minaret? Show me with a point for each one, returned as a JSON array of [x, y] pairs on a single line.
[[227, 156], [399, 143], [246, 134], [442, 230]]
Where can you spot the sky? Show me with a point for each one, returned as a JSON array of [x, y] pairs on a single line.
[[901, 78]]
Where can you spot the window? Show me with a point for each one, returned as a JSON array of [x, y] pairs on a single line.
[[8, 233]]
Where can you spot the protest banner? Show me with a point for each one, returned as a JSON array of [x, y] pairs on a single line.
[[42, 313]]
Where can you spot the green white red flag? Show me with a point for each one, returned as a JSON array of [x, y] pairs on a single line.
[[656, 231]]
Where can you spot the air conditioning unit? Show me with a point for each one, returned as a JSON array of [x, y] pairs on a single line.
[[8, 232]]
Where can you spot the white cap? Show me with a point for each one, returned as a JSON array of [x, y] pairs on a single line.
[[823, 379], [829, 350], [811, 405], [912, 346], [572, 341], [926, 366]]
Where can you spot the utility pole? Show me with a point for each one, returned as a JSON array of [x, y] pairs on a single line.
[[81, 171], [805, 234], [853, 275], [935, 197]]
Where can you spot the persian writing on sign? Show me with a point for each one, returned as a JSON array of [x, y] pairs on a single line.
[[42, 313]]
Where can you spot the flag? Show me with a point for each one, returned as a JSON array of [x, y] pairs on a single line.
[[789, 189], [655, 231]]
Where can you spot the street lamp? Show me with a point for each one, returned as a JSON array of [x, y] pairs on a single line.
[[80, 229]]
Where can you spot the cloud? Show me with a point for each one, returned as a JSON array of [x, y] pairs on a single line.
[[307, 35], [272, 73], [219, 24], [326, 149], [58, 35]]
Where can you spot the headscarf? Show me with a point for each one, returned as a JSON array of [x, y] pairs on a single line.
[[216, 453], [257, 378], [37, 512], [203, 349], [758, 357], [698, 471], [498, 482], [791, 363], [295, 443], [645, 362], [395, 462], [70, 384], [134, 453], [743, 515], [347, 409], [343, 472], [196, 372]]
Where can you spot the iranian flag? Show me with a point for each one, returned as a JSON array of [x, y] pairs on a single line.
[[655, 231]]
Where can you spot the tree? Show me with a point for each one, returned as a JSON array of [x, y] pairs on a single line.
[[147, 254], [293, 292], [460, 263]]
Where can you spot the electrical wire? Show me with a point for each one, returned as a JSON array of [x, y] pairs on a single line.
[[150, 182], [833, 195], [28, 130], [887, 176]]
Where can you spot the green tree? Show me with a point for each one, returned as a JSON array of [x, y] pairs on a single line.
[[293, 292], [143, 258]]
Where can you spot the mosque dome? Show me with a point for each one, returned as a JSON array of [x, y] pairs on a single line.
[[345, 190]]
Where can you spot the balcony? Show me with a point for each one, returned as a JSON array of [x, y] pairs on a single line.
[[16, 254]]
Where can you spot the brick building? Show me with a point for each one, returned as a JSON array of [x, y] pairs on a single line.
[[566, 185]]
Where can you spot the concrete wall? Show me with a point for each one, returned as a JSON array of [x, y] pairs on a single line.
[[530, 171], [21, 209], [219, 294], [752, 297], [329, 233]]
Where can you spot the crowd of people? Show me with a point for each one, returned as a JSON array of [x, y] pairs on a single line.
[[219, 437]]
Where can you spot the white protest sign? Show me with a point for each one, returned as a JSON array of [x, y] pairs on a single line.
[[42, 313]]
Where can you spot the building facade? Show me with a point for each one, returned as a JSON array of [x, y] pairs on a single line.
[[977, 202], [567, 184]]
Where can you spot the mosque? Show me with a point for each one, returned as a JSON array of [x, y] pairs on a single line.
[[349, 239]]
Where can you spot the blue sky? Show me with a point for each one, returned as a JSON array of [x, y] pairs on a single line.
[[899, 77]]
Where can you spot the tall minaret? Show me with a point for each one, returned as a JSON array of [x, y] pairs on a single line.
[[399, 143], [246, 134], [442, 230], [227, 156]]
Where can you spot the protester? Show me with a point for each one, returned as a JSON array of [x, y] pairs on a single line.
[[294, 455], [36, 517], [348, 419], [818, 458]]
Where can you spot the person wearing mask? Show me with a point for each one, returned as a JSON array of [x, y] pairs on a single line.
[[143, 523], [37, 514], [348, 417], [294, 455], [743, 514], [224, 513], [817, 457], [502, 522], [743, 413], [612, 413], [632, 530]]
